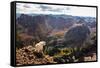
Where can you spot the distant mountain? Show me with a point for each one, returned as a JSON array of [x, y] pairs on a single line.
[[90, 21], [61, 21], [49, 21]]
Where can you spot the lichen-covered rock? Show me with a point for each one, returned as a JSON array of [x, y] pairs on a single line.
[[39, 46]]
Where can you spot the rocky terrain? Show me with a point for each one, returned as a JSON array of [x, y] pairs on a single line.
[[27, 55]]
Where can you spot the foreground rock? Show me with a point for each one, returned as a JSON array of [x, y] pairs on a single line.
[[28, 55]]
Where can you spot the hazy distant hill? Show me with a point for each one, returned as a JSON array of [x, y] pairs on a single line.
[[61, 21]]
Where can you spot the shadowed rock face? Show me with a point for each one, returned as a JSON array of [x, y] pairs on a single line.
[[76, 36], [34, 26]]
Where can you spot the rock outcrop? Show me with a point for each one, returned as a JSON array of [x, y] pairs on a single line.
[[27, 55]]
